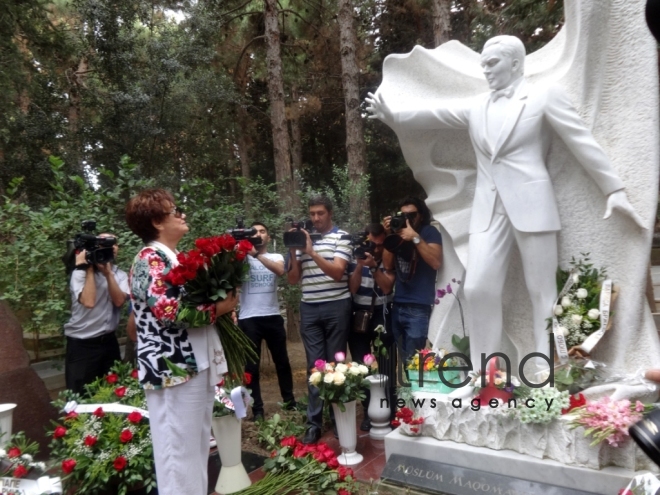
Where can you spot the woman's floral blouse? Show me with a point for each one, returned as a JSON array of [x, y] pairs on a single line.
[[164, 352]]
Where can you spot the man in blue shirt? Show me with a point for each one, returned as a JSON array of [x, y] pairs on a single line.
[[415, 261]]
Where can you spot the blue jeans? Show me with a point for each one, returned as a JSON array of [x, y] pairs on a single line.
[[410, 326]]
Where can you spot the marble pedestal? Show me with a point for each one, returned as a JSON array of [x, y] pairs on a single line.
[[496, 443]]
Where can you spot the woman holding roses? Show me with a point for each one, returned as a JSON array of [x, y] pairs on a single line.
[[177, 366]]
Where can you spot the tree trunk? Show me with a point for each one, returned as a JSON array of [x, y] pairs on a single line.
[[296, 139], [355, 147], [281, 145], [76, 85], [441, 21], [244, 141], [292, 324]]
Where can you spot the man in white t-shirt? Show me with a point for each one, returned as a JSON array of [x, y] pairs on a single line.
[[260, 319]]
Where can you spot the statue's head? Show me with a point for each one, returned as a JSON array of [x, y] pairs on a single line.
[[503, 61]]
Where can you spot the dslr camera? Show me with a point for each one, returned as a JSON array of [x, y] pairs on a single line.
[[241, 233], [398, 221], [297, 238], [361, 244], [98, 250]]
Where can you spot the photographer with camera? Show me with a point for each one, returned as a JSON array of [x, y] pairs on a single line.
[[369, 285], [415, 255], [326, 301], [260, 319], [98, 291]]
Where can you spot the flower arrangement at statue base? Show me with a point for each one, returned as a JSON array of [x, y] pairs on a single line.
[[340, 382], [430, 379], [607, 420], [495, 384], [206, 275], [102, 448], [17, 457], [408, 422], [305, 470]]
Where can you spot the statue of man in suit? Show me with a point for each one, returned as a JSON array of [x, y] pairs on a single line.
[[511, 129]]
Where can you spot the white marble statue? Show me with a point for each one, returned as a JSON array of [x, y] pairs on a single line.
[[543, 171]]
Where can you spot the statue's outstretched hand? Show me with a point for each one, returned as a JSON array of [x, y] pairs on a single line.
[[379, 109], [619, 201]]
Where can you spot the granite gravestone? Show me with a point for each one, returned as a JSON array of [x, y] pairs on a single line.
[[20, 384]]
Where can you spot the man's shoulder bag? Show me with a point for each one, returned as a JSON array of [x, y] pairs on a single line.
[[362, 317]]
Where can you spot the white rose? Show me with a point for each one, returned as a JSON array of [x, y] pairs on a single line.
[[354, 370], [329, 377], [315, 378], [566, 302], [340, 378], [27, 457], [341, 368], [515, 382], [576, 278], [363, 369], [3, 453], [562, 331], [559, 310], [329, 367], [593, 314], [582, 293], [577, 319]]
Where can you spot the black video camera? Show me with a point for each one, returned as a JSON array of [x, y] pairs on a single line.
[[240, 233], [297, 238], [99, 250], [398, 221], [361, 244]]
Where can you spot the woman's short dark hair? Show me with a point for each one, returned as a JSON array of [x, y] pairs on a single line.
[[149, 206], [322, 200], [421, 208]]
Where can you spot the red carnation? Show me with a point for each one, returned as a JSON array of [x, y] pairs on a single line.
[[575, 402], [14, 452], [59, 432], [20, 471], [134, 374], [288, 441], [120, 391], [99, 412], [90, 441], [125, 436], [68, 465], [120, 463], [112, 378]]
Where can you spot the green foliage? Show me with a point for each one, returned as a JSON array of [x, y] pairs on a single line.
[[273, 430]]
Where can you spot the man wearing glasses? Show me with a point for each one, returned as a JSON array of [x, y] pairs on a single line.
[[415, 262], [369, 285]]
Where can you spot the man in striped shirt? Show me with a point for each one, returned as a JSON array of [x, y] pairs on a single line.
[[325, 307]]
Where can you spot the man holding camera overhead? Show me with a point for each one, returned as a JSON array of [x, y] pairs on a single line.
[[97, 295], [415, 256], [325, 307]]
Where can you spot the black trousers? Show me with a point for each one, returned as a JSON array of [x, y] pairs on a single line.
[[88, 359], [271, 329], [360, 344]]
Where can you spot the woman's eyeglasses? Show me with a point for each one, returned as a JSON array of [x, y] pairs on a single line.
[[177, 212]]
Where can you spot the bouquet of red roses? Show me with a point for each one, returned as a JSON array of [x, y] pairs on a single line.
[[206, 275]]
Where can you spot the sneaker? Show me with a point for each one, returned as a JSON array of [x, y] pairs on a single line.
[[365, 425], [312, 435]]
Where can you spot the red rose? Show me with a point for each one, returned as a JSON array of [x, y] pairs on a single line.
[[333, 463], [273, 454], [343, 491], [120, 463], [90, 441], [575, 402], [240, 255], [112, 378], [134, 417], [125, 436], [227, 241], [59, 432], [120, 391], [134, 374], [299, 452], [288, 441], [208, 246], [414, 429], [395, 423], [20, 471], [319, 456], [71, 415], [14, 452], [247, 378], [68, 465], [99, 412]]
